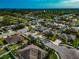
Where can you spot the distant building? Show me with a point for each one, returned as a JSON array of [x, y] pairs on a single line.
[[23, 31], [71, 37], [67, 37], [72, 30], [14, 38], [31, 52]]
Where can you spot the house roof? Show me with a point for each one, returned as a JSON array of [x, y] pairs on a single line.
[[14, 38], [31, 47]]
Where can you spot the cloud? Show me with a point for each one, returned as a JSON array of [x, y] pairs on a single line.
[[65, 4], [70, 1]]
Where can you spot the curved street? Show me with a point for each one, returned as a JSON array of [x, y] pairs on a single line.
[[65, 53]]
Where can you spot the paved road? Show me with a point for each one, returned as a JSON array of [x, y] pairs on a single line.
[[64, 52]]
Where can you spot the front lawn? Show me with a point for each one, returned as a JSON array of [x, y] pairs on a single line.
[[6, 57], [75, 43], [77, 22], [53, 38], [13, 46], [2, 51], [1, 41]]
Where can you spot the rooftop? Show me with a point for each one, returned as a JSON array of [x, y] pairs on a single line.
[[31, 47]]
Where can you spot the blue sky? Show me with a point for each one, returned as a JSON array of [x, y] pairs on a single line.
[[39, 4]]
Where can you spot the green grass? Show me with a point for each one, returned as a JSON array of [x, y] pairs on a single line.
[[53, 38], [75, 43], [1, 41], [13, 46], [77, 22], [5, 57], [52, 56], [64, 41], [2, 51]]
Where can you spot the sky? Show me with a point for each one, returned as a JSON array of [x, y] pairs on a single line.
[[39, 4]]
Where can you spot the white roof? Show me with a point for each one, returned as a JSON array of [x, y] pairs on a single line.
[[57, 42]]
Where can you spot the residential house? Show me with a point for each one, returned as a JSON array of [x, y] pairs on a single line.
[[14, 38], [31, 52]]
